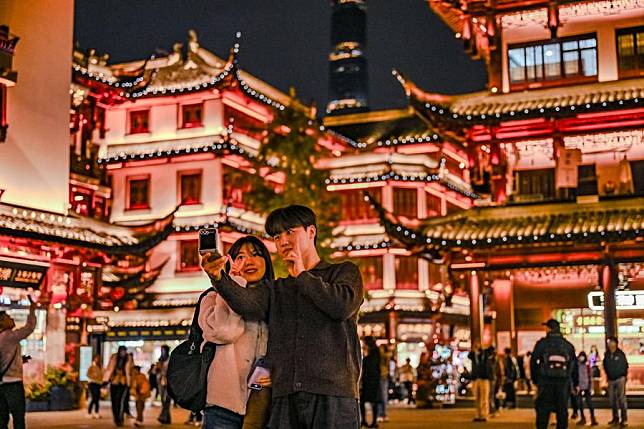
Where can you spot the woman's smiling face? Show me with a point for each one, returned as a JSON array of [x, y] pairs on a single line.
[[252, 266]]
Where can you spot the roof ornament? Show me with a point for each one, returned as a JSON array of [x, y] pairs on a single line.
[[193, 42]]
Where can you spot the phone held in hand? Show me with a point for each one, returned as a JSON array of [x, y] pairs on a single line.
[[208, 242], [259, 370]]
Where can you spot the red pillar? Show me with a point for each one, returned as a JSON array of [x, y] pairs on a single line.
[[609, 282], [476, 309]]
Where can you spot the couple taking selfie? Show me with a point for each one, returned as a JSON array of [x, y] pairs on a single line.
[[287, 350]]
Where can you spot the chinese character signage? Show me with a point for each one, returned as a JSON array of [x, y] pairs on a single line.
[[21, 274], [626, 300]]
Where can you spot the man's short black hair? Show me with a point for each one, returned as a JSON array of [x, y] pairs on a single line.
[[293, 216]]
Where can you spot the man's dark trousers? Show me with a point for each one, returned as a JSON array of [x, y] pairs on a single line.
[[12, 401], [552, 396], [304, 410]]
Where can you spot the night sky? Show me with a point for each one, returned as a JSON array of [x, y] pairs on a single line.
[[286, 42]]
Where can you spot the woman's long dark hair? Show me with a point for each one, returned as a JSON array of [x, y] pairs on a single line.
[[258, 246]]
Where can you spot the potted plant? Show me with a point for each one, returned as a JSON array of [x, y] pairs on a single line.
[[61, 380], [38, 396]]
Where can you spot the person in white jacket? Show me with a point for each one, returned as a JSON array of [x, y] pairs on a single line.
[[12, 391], [239, 345]]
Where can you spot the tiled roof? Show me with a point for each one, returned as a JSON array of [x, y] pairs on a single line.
[[217, 143], [481, 107], [609, 220], [81, 231]]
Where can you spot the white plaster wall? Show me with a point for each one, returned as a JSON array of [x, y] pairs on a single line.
[[34, 160], [164, 119], [164, 195]]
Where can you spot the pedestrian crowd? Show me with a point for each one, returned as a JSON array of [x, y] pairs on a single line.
[[561, 378]]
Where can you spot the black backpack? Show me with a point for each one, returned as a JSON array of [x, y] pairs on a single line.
[[555, 361], [188, 367]]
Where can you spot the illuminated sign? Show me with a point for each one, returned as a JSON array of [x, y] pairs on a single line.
[[22, 274], [626, 300]]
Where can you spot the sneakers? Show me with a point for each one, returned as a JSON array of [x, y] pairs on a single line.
[[593, 421], [581, 422], [623, 424], [138, 424]]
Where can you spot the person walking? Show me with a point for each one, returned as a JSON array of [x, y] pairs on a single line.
[[370, 382], [141, 391], [385, 359], [585, 390], [528, 374], [165, 417], [231, 404], [314, 350], [12, 390], [511, 375], [481, 374], [616, 368], [553, 366], [117, 374], [407, 378], [95, 376]]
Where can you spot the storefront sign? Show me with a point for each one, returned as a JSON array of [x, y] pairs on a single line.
[[626, 300], [21, 274]]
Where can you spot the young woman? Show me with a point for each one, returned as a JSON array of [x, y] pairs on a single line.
[[118, 375], [585, 392], [95, 377], [230, 403]]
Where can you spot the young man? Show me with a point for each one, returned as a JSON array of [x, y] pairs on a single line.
[[616, 367], [553, 366], [313, 348], [12, 391], [482, 370]]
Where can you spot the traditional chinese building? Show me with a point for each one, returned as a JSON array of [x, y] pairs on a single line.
[[555, 151], [405, 165], [173, 134]]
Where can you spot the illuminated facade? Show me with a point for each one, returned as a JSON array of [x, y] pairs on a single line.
[[556, 158]]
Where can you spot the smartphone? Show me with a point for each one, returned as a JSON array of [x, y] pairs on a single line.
[[258, 371], [208, 241]]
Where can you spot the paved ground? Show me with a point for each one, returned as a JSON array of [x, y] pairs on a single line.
[[401, 418]]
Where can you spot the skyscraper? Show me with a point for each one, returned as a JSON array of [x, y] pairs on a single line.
[[348, 78]]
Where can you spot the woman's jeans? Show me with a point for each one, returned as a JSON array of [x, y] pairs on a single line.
[[95, 397], [221, 418]]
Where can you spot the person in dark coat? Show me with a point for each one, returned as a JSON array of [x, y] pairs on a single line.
[[370, 381]]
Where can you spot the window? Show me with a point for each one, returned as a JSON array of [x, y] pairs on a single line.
[[354, 207], [587, 184], [433, 205], [405, 202], [189, 188], [371, 270], [191, 115], [189, 255], [81, 200], [407, 272], [630, 52], [138, 193], [244, 123], [139, 121], [537, 183], [553, 60]]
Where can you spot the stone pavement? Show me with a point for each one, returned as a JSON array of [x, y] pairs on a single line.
[[401, 418]]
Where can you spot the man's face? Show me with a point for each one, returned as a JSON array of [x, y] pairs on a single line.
[[303, 238], [612, 345]]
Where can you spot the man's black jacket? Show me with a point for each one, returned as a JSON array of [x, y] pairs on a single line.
[[538, 357], [615, 364], [313, 343]]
